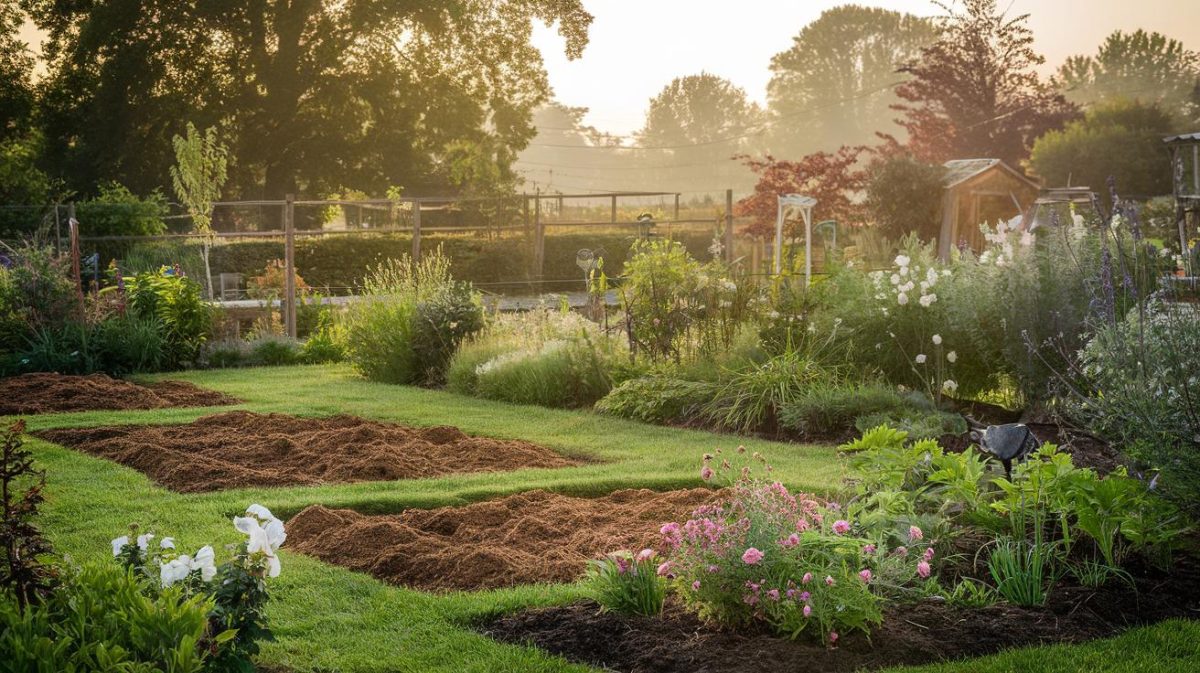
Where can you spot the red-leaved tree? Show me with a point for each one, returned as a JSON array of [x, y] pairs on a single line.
[[833, 179], [975, 93]]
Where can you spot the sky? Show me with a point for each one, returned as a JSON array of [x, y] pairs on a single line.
[[637, 47]]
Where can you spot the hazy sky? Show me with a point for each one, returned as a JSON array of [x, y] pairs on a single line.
[[638, 46]]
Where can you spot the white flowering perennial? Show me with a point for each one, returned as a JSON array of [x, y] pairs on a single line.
[[265, 535]]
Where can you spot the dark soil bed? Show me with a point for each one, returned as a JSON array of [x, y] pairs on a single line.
[[521, 539], [240, 448], [49, 393], [920, 633], [1085, 450]]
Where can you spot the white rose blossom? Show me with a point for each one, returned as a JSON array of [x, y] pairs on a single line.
[[952, 357], [949, 386], [921, 359], [937, 339], [266, 535]]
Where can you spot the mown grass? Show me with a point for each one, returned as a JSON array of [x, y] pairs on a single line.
[[329, 619]]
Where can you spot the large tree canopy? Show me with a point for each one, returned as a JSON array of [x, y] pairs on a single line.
[[975, 92], [834, 86], [314, 95], [16, 68], [1138, 65]]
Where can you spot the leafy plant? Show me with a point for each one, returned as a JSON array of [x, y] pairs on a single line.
[[750, 400], [441, 323], [1021, 571], [628, 584], [24, 573], [656, 399], [174, 302]]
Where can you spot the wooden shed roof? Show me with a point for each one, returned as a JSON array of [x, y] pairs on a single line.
[[959, 171]]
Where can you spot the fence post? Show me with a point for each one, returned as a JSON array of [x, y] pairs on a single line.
[[525, 214], [676, 207], [289, 255], [539, 239], [416, 231], [73, 229], [728, 225], [614, 209]]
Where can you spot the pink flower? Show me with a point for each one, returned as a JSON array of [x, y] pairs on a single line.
[[841, 526], [806, 579], [622, 565], [669, 529], [645, 555], [696, 585], [714, 569], [752, 556], [923, 568], [750, 599], [869, 549], [915, 533], [790, 541], [791, 593], [929, 554], [828, 581], [865, 574], [773, 594], [706, 473], [901, 552], [833, 636], [664, 568], [807, 610], [804, 596]]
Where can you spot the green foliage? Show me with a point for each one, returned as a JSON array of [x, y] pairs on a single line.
[[65, 350], [22, 182], [410, 311], [656, 399], [101, 619], [831, 410], [274, 351], [115, 211], [622, 582], [36, 293], [128, 345], [174, 302], [1021, 572], [1119, 139], [24, 575], [326, 341], [751, 400], [904, 196]]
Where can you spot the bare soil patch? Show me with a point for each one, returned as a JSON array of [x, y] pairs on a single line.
[[49, 393], [241, 448], [919, 633], [521, 539]]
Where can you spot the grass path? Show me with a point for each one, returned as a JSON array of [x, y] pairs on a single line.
[[330, 619]]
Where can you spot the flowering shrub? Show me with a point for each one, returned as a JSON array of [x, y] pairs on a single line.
[[237, 588], [623, 582], [790, 560]]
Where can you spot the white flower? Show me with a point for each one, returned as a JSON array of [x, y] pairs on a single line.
[[949, 386], [928, 299], [937, 339], [143, 541], [902, 299], [895, 279], [1000, 261], [1026, 239], [985, 257], [773, 315], [119, 543], [205, 562], [729, 285], [931, 276], [878, 346], [952, 356], [175, 570], [902, 260], [166, 543], [264, 539], [921, 359], [907, 287]]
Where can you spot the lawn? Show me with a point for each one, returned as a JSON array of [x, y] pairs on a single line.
[[330, 619]]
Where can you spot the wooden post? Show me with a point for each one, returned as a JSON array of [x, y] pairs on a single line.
[[416, 231], [289, 262], [614, 209], [73, 226], [728, 224], [57, 232], [676, 207], [539, 240], [525, 214]]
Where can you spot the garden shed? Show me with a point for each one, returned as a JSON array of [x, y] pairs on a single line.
[[978, 191], [1185, 167]]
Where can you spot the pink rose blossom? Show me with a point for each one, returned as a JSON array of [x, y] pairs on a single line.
[[828, 581], [807, 610], [841, 526], [752, 556], [806, 579], [923, 568], [915, 533], [865, 574]]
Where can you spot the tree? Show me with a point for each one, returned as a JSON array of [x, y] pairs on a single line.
[[319, 94], [904, 196], [1138, 65], [198, 176], [704, 121], [832, 179], [975, 92], [116, 211], [16, 70], [834, 86], [1121, 139]]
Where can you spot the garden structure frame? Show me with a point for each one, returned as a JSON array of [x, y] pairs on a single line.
[[1185, 168]]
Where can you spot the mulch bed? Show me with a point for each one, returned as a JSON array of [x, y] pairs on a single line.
[[521, 539], [49, 393], [1086, 450], [242, 449], [920, 633]]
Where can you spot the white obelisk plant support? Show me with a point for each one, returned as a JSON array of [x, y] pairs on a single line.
[[805, 205]]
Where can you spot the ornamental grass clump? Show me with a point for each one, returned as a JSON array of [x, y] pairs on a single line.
[[628, 583], [792, 561]]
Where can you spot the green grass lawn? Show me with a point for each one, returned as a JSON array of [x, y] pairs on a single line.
[[330, 619]]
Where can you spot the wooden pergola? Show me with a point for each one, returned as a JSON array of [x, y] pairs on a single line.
[[1185, 166]]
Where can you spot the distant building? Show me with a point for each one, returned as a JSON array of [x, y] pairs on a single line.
[[980, 191]]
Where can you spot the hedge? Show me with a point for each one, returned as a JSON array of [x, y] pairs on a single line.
[[339, 262]]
